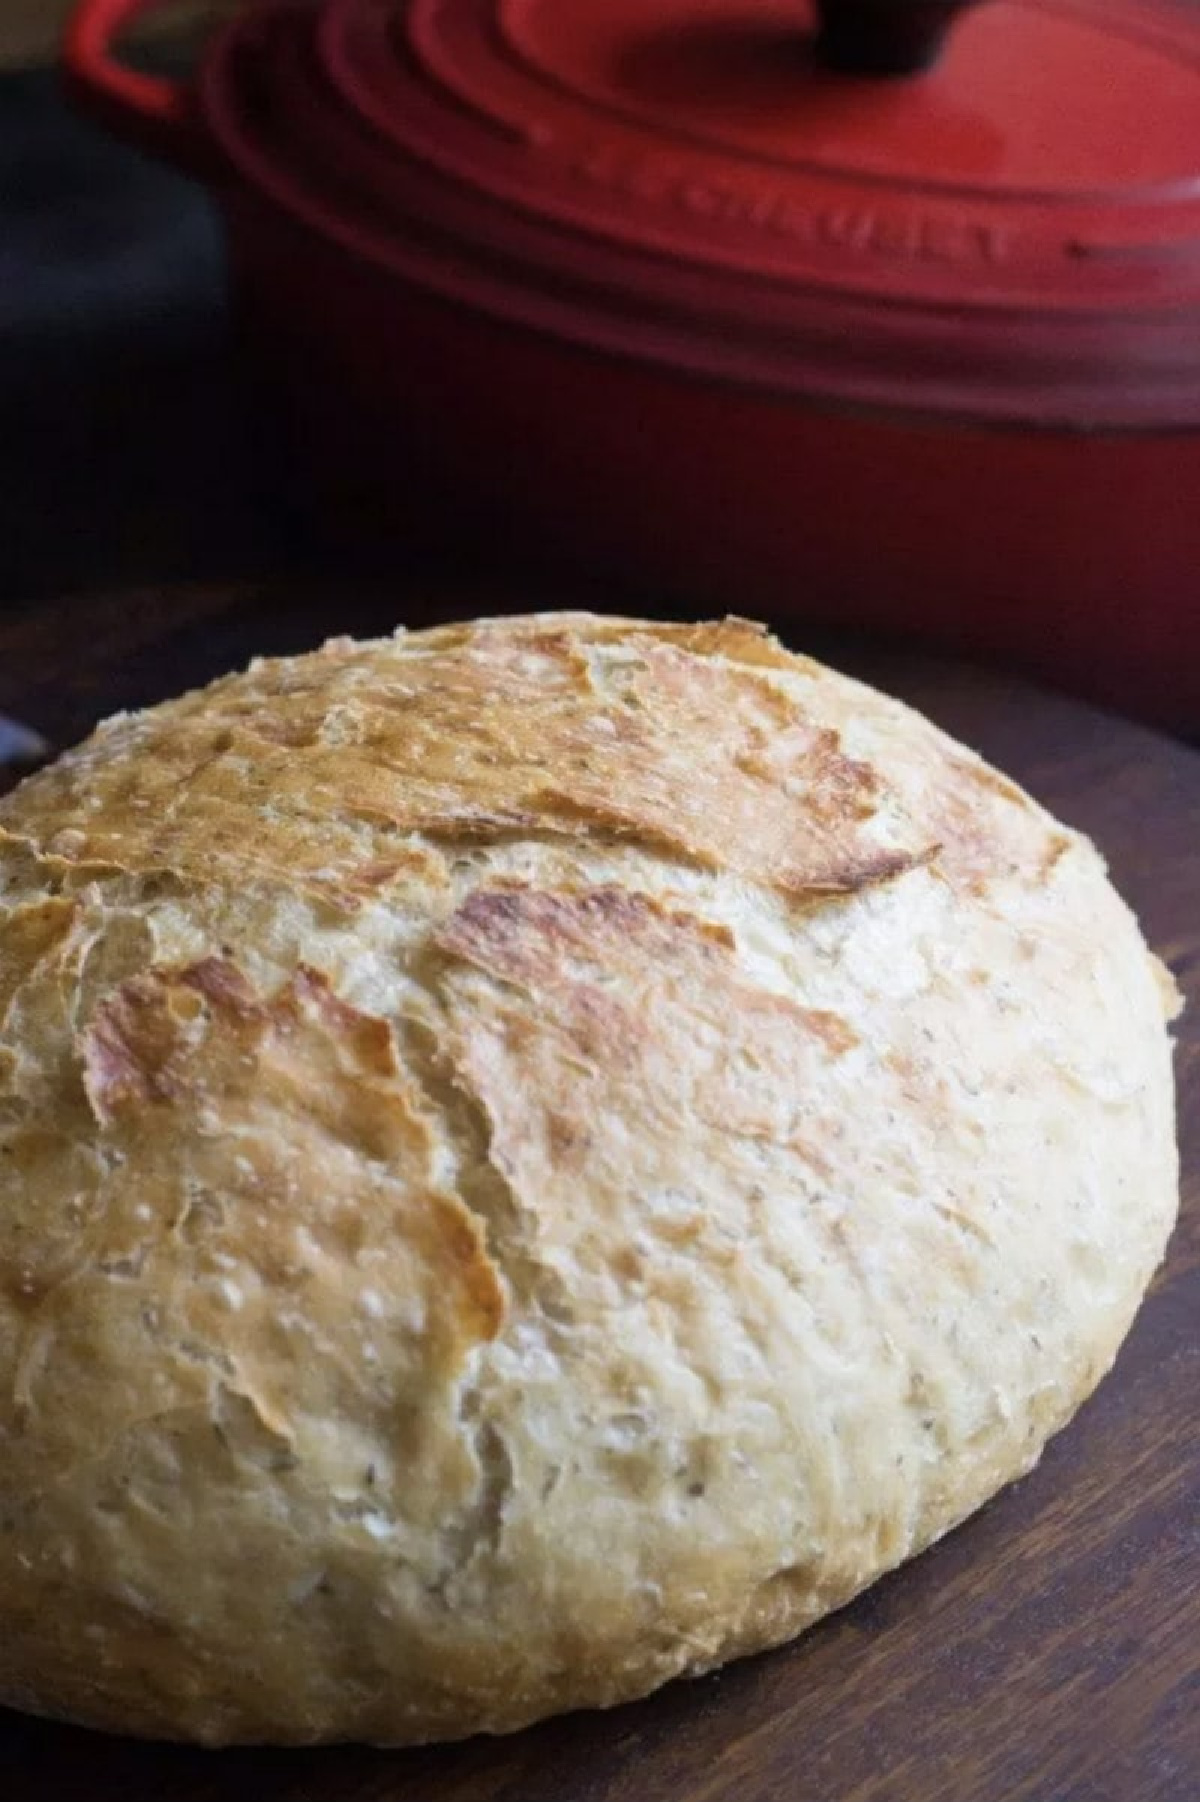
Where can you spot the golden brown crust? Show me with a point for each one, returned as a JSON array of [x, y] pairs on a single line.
[[534, 1157], [670, 745], [636, 1010]]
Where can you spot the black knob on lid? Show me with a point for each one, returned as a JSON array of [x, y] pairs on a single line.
[[884, 37]]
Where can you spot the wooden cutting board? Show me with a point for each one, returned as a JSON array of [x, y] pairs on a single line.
[[1049, 1651]]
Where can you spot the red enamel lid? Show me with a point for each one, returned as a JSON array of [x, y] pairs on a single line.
[[728, 188]]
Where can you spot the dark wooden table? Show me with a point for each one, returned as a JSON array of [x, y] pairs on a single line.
[[1049, 1651]]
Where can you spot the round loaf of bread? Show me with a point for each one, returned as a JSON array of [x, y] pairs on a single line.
[[538, 1156]]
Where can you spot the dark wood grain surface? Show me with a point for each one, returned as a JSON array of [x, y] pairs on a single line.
[[1050, 1649]]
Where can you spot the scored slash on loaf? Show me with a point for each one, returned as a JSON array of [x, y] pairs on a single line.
[[538, 1156]]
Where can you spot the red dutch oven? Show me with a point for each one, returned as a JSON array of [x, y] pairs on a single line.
[[888, 315]]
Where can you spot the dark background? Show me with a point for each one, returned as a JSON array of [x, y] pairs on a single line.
[[127, 452]]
